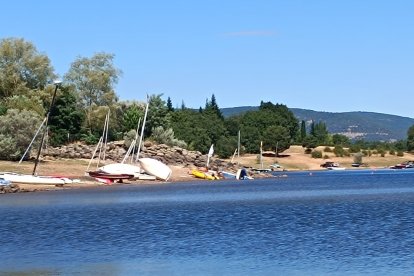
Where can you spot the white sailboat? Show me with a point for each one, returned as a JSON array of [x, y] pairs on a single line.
[[148, 169], [34, 178]]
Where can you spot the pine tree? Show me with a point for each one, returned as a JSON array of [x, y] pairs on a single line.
[[303, 130], [169, 105]]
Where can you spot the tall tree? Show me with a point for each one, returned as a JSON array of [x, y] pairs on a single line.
[[169, 105], [320, 132], [157, 114], [302, 130], [276, 137], [66, 118], [22, 68], [340, 140], [213, 106], [94, 79], [131, 115]]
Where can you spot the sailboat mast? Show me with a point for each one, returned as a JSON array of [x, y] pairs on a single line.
[[142, 130], [106, 128], [238, 147], [261, 154], [44, 132]]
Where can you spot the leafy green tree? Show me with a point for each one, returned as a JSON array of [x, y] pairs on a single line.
[[94, 79], [310, 142], [400, 145], [213, 106], [22, 68], [340, 140], [410, 139], [276, 136], [157, 115], [253, 125], [280, 114], [302, 130], [320, 132], [131, 115], [169, 105], [23, 102], [200, 142], [225, 146], [66, 118], [232, 125]]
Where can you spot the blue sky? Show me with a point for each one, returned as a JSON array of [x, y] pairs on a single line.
[[336, 56]]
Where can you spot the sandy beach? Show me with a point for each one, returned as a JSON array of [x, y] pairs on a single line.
[[291, 160]]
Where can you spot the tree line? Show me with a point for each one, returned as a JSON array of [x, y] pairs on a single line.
[[87, 96]]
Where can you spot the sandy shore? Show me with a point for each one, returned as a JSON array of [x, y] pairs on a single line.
[[291, 160]]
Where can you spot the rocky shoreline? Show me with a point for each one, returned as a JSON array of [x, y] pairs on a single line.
[[11, 188], [116, 151]]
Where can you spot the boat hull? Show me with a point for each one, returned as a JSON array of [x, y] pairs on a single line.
[[203, 175], [156, 168], [120, 168], [34, 179]]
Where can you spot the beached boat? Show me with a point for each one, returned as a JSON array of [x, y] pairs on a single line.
[[120, 168], [156, 168], [4, 182], [35, 179], [227, 175], [329, 165], [404, 165], [203, 175], [241, 174], [109, 178], [335, 168]]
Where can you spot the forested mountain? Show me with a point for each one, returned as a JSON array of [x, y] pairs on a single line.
[[369, 126]]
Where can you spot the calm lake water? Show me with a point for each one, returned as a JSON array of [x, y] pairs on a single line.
[[320, 223]]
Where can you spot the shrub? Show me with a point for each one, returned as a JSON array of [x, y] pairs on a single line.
[[327, 149], [18, 128], [358, 157], [326, 156], [166, 137], [392, 152], [308, 151], [316, 154], [400, 153], [129, 137], [8, 148], [354, 149], [339, 151], [89, 139], [381, 152]]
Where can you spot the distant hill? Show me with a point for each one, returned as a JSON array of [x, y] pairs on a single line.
[[369, 126]]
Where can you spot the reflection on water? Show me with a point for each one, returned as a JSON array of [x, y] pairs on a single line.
[[319, 224]]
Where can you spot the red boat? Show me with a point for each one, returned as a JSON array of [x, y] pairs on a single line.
[[111, 177]]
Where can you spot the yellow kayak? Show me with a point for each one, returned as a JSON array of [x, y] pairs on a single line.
[[203, 175]]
